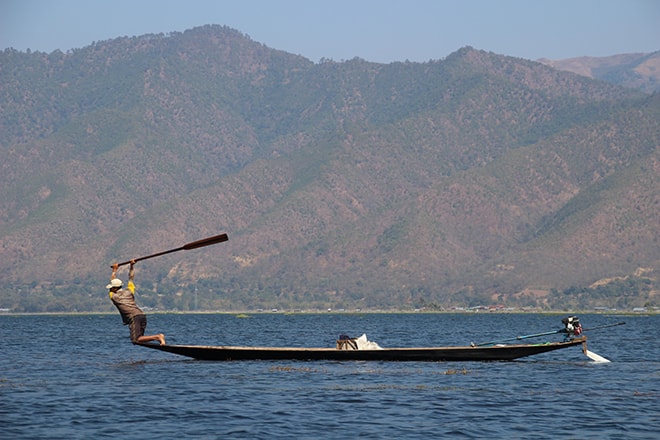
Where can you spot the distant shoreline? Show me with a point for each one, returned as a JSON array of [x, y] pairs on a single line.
[[248, 313]]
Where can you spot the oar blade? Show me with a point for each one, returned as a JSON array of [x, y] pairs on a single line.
[[595, 357], [206, 242]]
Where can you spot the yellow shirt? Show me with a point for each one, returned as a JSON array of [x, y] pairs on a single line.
[[130, 287]]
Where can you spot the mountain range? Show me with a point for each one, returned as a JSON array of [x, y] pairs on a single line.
[[471, 180], [633, 70]]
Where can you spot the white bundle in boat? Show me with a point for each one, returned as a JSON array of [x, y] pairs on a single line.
[[364, 344]]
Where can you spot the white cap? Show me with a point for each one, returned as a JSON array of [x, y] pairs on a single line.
[[115, 282]]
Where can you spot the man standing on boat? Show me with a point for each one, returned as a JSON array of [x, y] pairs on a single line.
[[131, 314]]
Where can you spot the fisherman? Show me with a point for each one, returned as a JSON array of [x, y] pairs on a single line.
[[131, 314]]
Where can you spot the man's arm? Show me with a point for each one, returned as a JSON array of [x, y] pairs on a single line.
[[131, 276]]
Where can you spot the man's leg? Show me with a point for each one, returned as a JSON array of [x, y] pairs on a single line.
[[159, 337]]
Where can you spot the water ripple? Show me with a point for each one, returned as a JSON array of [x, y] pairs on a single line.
[[74, 385]]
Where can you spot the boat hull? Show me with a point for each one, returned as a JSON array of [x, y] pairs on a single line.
[[429, 354]]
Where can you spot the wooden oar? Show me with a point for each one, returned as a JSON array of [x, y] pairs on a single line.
[[518, 338], [186, 247], [598, 327], [562, 330]]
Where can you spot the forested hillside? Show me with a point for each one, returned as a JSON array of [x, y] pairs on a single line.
[[474, 179]]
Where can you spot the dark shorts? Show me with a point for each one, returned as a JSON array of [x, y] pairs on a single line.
[[137, 325]]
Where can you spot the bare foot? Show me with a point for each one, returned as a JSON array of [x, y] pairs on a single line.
[[161, 338]]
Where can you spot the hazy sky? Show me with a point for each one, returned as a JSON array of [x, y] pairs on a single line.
[[376, 30]]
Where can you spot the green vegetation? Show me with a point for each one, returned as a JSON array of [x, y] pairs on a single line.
[[458, 182], [620, 294]]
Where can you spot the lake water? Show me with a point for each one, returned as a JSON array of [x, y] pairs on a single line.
[[79, 377]]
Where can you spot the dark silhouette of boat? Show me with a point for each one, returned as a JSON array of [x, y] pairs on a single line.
[[496, 352]]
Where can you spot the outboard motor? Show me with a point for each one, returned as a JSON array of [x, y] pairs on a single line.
[[572, 326]]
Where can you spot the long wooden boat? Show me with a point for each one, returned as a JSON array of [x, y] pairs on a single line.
[[429, 354]]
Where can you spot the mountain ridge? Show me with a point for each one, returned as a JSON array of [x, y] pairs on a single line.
[[639, 71], [349, 184]]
